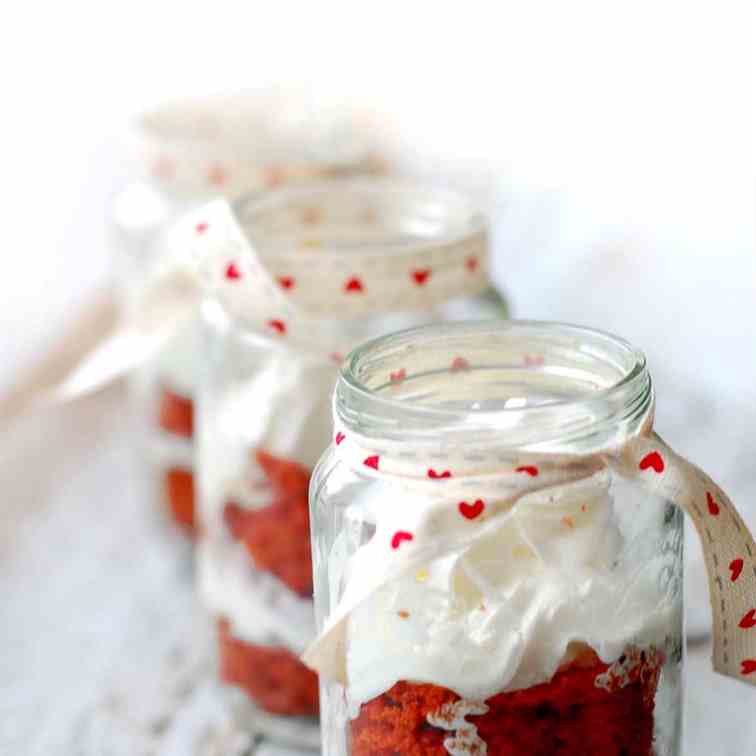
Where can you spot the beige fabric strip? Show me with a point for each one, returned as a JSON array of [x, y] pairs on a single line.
[[434, 488], [728, 548], [295, 296]]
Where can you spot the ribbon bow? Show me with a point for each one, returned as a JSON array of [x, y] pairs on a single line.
[[454, 491], [289, 276]]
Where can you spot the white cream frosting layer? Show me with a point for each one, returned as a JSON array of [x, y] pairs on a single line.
[[502, 615], [283, 407], [178, 366], [167, 450], [259, 607]]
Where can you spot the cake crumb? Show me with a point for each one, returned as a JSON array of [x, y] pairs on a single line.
[[451, 717]]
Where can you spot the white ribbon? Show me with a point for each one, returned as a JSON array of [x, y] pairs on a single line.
[[454, 489], [333, 252], [237, 143]]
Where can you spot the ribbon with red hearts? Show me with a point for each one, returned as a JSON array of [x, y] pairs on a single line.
[[339, 250], [448, 485], [728, 547], [292, 289], [297, 266], [238, 143]]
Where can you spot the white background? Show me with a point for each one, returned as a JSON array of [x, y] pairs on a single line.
[[620, 136], [615, 128]]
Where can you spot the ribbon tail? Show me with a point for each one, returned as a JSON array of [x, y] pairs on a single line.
[[117, 355], [113, 357], [728, 547], [327, 654], [101, 348], [86, 331]]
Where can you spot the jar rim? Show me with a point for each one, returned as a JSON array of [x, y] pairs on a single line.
[[442, 216], [621, 402]]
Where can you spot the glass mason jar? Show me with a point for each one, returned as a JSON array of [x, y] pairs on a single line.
[[191, 152], [485, 580], [264, 413]]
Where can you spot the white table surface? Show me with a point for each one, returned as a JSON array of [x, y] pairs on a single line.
[[103, 649]]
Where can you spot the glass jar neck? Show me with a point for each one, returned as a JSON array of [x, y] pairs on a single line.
[[344, 250], [359, 215], [509, 387]]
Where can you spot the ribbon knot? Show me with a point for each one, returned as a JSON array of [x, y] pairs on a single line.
[[442, 514]]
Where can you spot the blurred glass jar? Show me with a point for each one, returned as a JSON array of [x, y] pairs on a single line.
[[191, 152], [368, 255], [489, 602]]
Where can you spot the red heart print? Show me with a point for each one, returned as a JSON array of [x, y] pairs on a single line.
[[438, 475], [277, 325], [336, 357], [472, 263], [399, 536], [748, 621], [372, 461], [533, 360], [460, 363], [421, 276], [399, 375], [471, 511], [232, 272], [736, 567], [531, 470], [711, 502], [274, 175], [200, 228], [354, 285], [747, 666], [286, 282], [217, 175], [654, 461], [339, 438]]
